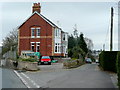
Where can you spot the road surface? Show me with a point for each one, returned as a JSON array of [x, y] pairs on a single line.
[[86, 76], [11, 80]]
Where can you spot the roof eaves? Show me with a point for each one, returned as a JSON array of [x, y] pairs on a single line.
[[26, 20], [47, 20]]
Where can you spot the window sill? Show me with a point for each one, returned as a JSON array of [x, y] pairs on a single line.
[[58, 52], [32, 37], [37, 36]]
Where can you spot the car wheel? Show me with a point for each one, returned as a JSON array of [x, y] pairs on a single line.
[[49, 63]]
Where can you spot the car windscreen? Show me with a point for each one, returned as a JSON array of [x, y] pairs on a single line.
[[44, 57]]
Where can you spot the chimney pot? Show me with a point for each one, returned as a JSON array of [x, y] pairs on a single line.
[[36, 7]]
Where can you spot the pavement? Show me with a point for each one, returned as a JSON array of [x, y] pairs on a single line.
[[54, 76]]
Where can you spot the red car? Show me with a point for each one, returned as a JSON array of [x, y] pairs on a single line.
[[45, 60]]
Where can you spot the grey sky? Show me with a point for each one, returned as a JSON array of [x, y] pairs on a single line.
[[92, 18]]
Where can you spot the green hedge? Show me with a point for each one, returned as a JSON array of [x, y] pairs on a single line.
[[108, 60], [28, 59], [118, 68]]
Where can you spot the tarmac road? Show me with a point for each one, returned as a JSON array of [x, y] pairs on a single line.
[[11, 80], [86, 76]]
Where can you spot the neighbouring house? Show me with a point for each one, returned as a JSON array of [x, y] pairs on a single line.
[[39, 34]]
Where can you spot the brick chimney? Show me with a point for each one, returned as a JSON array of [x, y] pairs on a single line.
[[36, 7]]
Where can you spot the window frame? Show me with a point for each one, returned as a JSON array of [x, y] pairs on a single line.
[[38, 28], [58, 47], [37, 46], [32, 29], [32, 46]]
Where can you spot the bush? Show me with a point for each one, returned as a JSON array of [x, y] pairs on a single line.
[[108, 60], [118, 68], [72, 63], [28, 59]]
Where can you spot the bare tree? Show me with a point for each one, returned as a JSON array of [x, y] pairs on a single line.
[[10, 41]]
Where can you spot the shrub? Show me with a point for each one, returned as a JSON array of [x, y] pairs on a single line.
[[118, 68], [72, 63], [108, 60], [28, 59]]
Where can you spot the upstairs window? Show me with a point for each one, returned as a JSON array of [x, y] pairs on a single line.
[[38, 32], [64, 37], [56, 32], [32, 32]]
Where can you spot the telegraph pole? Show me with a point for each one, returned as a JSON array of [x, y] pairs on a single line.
[[111, 30], [103, 47]]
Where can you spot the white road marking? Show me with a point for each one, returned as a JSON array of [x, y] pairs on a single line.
[[35, 84], [22, 79]]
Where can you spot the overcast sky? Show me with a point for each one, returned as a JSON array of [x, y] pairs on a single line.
[[92, 18]]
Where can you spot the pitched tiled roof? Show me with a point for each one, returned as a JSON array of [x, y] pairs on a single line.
[[47, 20]]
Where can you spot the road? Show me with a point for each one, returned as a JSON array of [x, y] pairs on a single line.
[[86, 76], [11, 80]]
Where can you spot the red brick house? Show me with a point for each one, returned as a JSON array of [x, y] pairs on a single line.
[[39, 34]]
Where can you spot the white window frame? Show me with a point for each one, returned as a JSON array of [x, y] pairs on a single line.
[[58, 45], [32, 32], [32, 45], [38, 36], [37, 45], [56, 31]]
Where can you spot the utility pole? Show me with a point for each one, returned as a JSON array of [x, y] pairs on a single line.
[[111, 30], [103, 47]]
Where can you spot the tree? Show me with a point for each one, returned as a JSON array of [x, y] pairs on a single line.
[[82, 44], [77, 51], [10, 41], [71, 42], [89, 43]]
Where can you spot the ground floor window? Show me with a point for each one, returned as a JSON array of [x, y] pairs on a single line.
[[32, 46], [37, 46], [57, 47]]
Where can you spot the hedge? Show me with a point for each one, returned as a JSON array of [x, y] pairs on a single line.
[[108, 60], [118, 68]]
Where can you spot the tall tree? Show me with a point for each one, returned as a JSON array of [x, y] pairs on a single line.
[[82, 44], [71, 42]]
